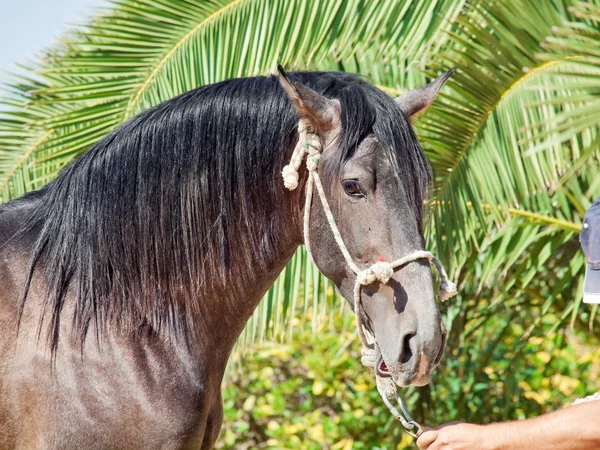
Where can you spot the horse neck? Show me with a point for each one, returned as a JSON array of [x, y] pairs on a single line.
[[225, 308]]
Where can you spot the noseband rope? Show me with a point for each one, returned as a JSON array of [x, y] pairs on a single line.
[[309, 143]]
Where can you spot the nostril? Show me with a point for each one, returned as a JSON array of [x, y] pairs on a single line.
[[406, 352]]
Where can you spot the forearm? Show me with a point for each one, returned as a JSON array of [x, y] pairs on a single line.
[[573, 428]]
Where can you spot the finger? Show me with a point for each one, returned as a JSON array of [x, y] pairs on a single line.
[[426, 439]]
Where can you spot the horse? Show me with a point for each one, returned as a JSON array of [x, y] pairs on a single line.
[[126, 280]]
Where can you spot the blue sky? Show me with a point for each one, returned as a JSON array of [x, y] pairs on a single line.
[[27, 26]]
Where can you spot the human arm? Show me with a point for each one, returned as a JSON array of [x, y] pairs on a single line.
[[573, 428]]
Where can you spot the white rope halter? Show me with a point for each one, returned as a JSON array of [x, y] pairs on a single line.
[[309, 143]]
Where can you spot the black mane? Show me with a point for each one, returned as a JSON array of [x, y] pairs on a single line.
[[153, 213]]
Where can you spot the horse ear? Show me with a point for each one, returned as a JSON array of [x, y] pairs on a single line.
[[322, 113], [419, 99]]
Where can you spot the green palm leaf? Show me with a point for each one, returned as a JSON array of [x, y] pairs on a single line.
[[576, 43], [479, 135]]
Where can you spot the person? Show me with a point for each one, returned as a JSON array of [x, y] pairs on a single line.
[[575, 427]]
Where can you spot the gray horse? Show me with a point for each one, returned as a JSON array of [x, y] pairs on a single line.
[[126, 281]]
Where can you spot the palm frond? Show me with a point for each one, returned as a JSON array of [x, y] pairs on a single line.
[[577, 91], [137, 54]]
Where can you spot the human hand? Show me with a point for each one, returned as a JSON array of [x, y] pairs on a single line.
[[453, 436]]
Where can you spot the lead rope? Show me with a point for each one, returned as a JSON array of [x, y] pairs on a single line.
[[309, 143]]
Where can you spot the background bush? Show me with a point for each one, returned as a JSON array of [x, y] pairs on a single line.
[[311, 392]]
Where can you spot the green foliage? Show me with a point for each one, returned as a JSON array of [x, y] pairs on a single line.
[[311, 393]]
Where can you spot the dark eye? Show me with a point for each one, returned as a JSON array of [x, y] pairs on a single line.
[[352, 188]]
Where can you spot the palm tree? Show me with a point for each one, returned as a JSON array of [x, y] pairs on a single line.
[[513, 140]]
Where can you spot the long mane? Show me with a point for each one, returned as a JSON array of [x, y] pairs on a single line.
[[154, 214]]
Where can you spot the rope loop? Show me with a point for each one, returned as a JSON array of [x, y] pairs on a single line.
[[303, 126], [368, 356], [309, 143]]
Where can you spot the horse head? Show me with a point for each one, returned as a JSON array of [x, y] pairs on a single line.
[[376, 177]]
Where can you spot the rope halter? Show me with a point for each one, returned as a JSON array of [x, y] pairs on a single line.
[[309, 143]]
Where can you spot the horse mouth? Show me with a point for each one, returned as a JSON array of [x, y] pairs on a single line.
[[381, 368]]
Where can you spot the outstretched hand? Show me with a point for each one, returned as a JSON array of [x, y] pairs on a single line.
[[573, 428], [453, 436]]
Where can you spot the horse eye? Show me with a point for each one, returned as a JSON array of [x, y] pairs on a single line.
[[352, 188]]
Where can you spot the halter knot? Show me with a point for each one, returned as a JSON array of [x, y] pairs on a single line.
[[380, 271], [290, 177], [312, 161], [447, 289]]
